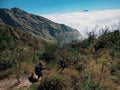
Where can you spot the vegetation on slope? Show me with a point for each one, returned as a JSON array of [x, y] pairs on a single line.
[[97, 59], [17, 49], [92, 64]]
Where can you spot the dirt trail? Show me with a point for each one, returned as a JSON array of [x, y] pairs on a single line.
[[8, 84], [23, 82]]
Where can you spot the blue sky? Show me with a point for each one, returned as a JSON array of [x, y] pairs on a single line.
[[60, 6]]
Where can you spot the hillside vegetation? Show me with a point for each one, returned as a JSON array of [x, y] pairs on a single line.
[[92, 64], [17, 49]]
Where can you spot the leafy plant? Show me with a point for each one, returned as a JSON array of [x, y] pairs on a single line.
[[49, 52], [34, 86], [7, 40], [56, 82]]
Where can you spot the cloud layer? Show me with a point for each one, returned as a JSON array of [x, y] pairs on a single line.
[[88, 21]]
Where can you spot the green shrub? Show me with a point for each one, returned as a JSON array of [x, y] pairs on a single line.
[[80, 67], [75, 82], [7, 40], [83, 82], [49, 52], [6, 73], [85, 76], [34, 86], [88, 86], [56, 82]]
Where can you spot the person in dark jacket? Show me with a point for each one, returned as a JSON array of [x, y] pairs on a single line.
[[62, 64], [38, 70]]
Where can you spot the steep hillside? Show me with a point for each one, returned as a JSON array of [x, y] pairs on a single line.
[[92, 64], [17, 47], [37, 25]]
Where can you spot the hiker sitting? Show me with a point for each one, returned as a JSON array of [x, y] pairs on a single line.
[[38, 71], [32, 79]]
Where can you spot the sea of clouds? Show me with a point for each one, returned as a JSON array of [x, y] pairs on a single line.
[[88, 21]]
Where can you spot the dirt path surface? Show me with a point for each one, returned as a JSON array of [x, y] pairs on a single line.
[[8, 84], [23, 82]]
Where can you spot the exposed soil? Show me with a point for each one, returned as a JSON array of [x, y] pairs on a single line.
[[23, 82]]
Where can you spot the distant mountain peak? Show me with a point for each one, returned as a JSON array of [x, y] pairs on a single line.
[[38, 26], [16, 9]]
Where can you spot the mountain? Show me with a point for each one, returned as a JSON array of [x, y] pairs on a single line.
[[38, 26]]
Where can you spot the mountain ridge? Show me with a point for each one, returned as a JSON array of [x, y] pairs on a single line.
[[37, 25]]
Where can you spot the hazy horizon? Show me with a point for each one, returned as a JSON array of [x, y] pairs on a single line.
[[88, 21]]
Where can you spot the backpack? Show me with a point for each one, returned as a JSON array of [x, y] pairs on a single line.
[[37, 69], [62, 62]]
